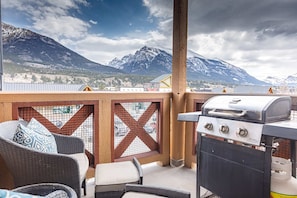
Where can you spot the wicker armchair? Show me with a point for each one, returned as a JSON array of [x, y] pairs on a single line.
[[27, 166]]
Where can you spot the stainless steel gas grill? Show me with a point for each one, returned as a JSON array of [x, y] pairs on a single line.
[[241, 118], [235, 143]]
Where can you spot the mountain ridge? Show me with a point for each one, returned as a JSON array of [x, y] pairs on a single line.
[[27, 48], [23, 46], [151, 60], [290, 80]]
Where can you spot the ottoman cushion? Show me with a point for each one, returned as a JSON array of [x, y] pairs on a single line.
[[116, 173], [111, 178]]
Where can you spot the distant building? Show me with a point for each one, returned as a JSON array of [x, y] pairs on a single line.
[[39, 87], [110, 89], [131, 89], [163, 83]]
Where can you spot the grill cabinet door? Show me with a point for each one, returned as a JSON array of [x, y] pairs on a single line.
[[233, 171]]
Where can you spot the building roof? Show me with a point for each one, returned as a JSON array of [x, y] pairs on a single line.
[[160, 78], [44, 87]]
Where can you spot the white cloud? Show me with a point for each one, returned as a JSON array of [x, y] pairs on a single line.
[[258, 57], [160, 9], [52, 17], [29, 6], [59, 28], [260, 37], [93, 22], [102, 50]]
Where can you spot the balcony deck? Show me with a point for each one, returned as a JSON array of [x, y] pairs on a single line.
[[101, 109], [180, 178]]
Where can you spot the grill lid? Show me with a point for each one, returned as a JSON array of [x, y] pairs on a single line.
[[260, 109]]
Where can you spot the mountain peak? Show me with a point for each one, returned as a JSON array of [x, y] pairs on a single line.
[[27, 48], [147, 52], [145, 48], [145, 61], [9, 31]]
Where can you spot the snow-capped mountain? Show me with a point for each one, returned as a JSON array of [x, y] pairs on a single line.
[[25, 47], [274, 80], [288, 81], [291, 80], [146, 61], [154, 61]]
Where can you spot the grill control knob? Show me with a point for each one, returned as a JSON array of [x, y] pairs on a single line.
[[208, 126], [242, 132], [224, 129]]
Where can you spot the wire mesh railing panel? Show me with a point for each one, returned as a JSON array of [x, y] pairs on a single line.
[[293, 115], [58, 115], [136, 147], [75, 120], [85, 132], [136, 128]]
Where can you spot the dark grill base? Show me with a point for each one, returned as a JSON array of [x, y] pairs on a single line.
[[232, 171]]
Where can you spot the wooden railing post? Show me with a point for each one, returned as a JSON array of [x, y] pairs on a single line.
[[105, 136]]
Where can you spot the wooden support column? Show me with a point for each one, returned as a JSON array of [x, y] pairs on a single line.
[[179, 68], [1, 51]]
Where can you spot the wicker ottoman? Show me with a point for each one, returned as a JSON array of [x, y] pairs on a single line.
[[111, 178]]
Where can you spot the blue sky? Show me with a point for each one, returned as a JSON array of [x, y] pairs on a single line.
[[259, 36], [100, 30], [112, 18]]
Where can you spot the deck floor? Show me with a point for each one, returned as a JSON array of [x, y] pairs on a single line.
[[180, 178]]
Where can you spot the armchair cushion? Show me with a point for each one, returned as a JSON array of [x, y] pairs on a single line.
[[83, 162], [35, 136]]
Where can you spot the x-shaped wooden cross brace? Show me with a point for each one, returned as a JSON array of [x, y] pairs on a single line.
[[136, 128]]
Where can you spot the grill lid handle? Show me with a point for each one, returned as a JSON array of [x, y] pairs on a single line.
[[228, 114]]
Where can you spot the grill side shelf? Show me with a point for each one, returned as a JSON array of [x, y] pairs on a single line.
[[283, 129], [189, 117]]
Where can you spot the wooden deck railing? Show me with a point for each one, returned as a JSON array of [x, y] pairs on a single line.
[[92, 116], [145, 119]]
